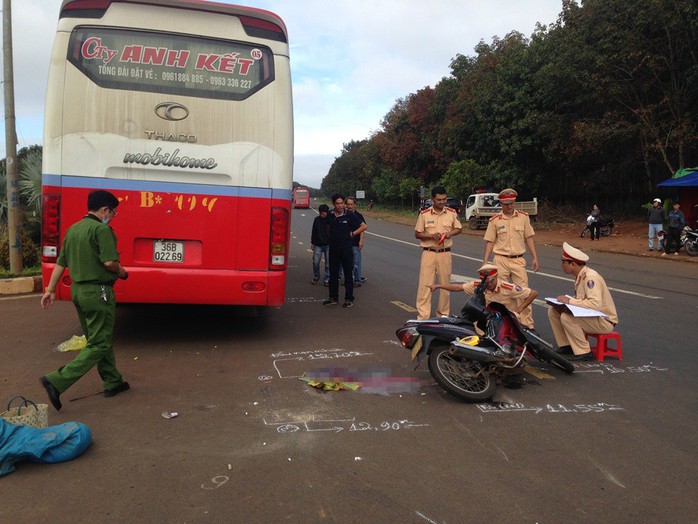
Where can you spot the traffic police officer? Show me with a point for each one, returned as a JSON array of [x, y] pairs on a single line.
[[514, 297], [89, 250], [508, 234], [435, 227], [590, 291]]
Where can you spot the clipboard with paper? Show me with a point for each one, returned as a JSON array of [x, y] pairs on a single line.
[[576, 311]]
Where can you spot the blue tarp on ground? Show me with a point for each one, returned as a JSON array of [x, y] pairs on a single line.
[[690, 180], [48, 445]]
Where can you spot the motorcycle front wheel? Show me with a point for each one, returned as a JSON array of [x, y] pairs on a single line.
[[548, 355], [464, 379], [584, 232]]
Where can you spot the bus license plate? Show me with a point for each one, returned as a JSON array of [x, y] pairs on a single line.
[[168, 251]]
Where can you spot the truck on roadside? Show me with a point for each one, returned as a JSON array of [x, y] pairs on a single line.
[[480, 207]]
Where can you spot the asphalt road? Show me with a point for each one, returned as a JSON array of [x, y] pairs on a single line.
[[614, 442]]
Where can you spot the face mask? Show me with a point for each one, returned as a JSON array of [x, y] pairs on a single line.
[[105, 221]]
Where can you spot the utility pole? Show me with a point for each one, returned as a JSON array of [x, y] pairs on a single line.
[[14, 229]]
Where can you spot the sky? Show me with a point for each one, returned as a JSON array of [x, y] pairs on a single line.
[[350, 61]]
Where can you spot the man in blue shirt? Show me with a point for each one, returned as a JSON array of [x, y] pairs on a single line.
[[676, 222]]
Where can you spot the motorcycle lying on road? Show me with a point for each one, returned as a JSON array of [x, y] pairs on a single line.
[[469, 365], [606, 225]]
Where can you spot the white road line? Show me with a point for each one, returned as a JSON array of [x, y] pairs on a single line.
[[461, 278]]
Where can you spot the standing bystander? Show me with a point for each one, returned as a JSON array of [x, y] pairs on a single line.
[[508, 234], [435, 228], [89, 251], [595, 225], [655, 214], [676, 222], [357, 243], [320, 244], [344, 226]]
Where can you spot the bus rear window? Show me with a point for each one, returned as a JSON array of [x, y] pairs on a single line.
[[170, 64]]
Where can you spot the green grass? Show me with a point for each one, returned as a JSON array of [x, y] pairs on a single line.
[[27, 272]]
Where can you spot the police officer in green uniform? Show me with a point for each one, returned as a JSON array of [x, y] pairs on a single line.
[[89, 251]]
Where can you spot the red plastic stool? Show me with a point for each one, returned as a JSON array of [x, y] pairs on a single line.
[[601, 349]]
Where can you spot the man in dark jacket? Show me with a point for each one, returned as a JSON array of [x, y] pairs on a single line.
[[344, 226], [655, 214], [676, 222]]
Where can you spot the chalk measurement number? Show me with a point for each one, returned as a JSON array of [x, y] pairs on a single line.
[[215, 483], [383, 426], [335, 426]]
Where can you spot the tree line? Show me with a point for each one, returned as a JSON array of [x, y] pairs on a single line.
[[598, 107]]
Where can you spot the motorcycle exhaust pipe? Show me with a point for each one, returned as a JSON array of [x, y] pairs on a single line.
[[478, 353]]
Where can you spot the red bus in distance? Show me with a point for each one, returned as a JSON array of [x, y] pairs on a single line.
[[301, 198]]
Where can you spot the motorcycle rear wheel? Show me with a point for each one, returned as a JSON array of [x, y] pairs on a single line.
[[691, 248], [605, 230], [464, 379]]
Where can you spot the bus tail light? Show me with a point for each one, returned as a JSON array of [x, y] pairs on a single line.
[[50, 226], [278, 242], [262, 29], [85, 8]]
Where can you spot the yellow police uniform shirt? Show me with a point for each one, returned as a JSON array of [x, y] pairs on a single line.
[[430, 222], [505, 293], [591, 291], [509, 234]]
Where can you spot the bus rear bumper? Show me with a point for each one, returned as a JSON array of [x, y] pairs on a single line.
[[189, 286]]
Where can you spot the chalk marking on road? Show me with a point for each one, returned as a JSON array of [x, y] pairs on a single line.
[[319, 355], [610, 368], [606, 473], [425, 517], [337, 426], [218, 481], [501, 407], [549, 275], [302, 300], [502, 452]]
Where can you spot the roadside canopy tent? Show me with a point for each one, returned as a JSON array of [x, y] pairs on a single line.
[[686, 183], [682, 178]]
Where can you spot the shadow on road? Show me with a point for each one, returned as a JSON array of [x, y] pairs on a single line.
[[181, 323]]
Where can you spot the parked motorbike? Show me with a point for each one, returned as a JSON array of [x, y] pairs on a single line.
[[469, 365], [689, 241], [688, 236], [605, 226]]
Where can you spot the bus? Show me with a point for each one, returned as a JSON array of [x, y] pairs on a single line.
[[183, 110], [301, 197]]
